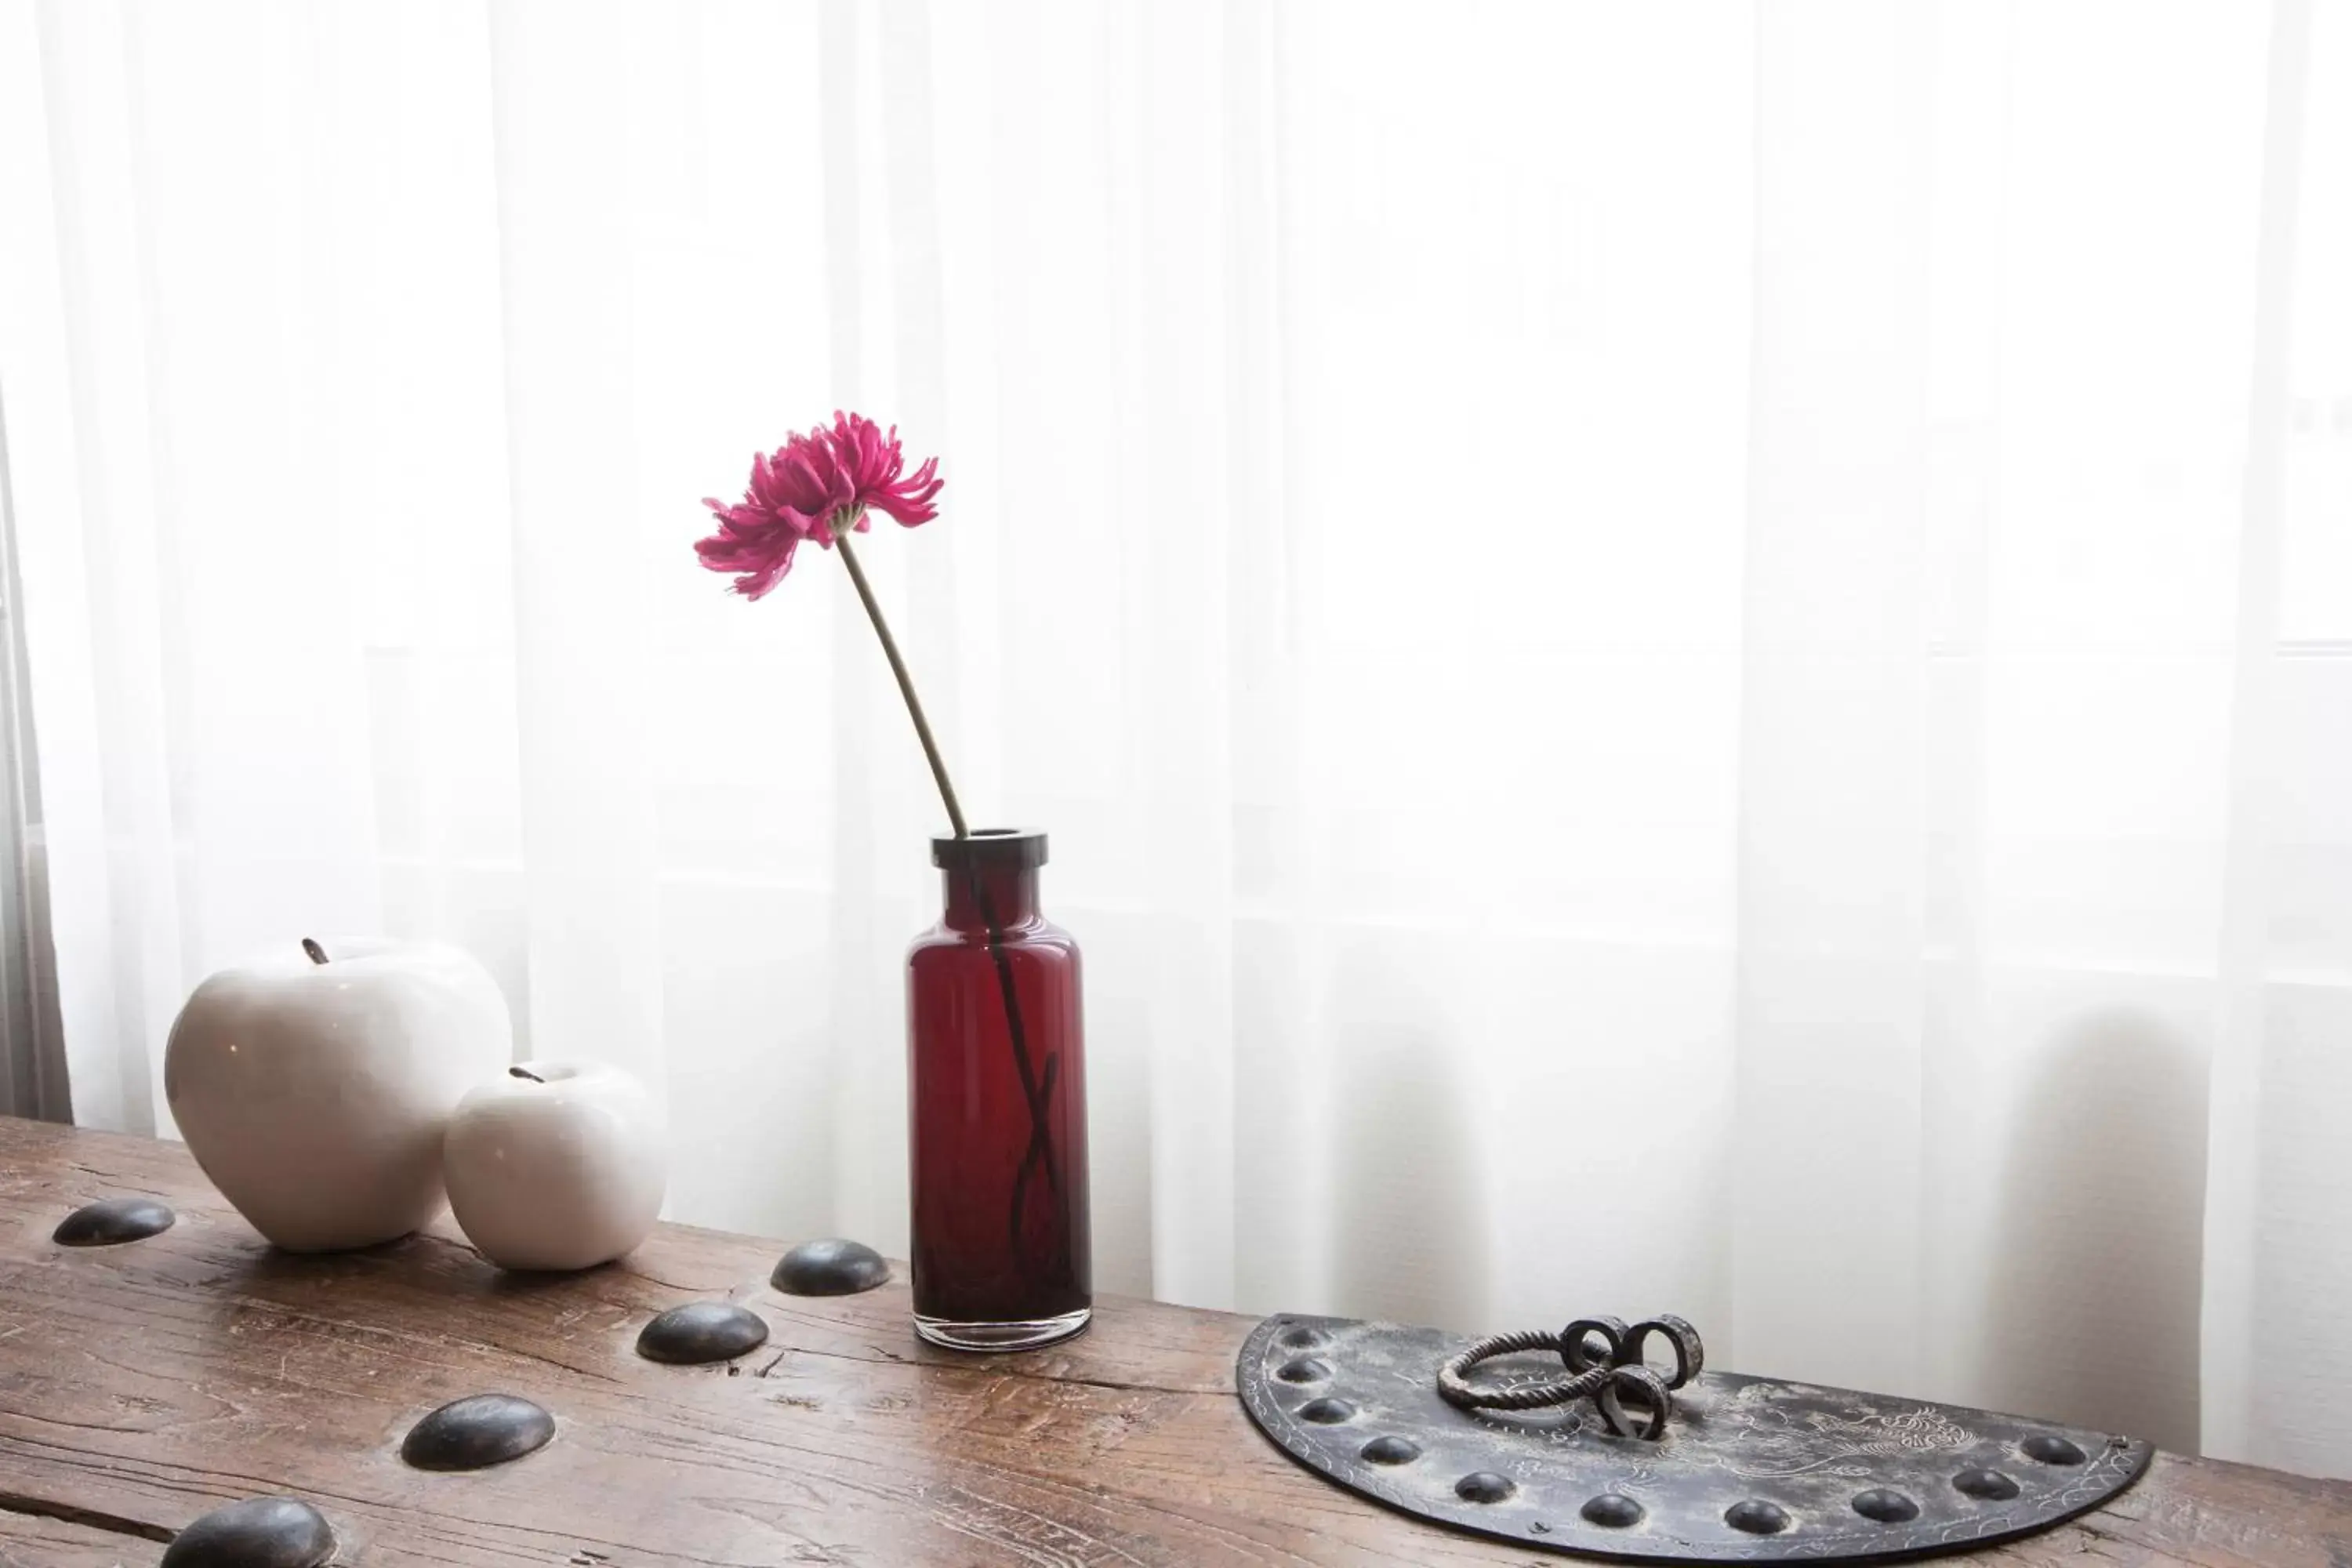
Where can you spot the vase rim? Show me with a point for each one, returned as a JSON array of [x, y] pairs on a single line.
[[1023, 846]]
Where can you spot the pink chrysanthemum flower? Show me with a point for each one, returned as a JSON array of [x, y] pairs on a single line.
[[805, 488]]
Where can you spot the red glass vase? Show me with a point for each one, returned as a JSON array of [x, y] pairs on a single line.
[[996, 1087]]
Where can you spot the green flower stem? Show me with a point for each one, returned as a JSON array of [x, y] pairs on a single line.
[[841, 531], [1038, 1093]]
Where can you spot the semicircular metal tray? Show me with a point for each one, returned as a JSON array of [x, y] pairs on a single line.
[[1751, 1469]]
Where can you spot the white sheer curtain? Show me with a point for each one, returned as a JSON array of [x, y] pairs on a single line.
[[1691, 660]]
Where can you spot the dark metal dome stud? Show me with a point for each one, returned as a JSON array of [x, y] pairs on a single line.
[[476, 1433], [830, 1267], [110, 1222], [702, 1332], [259, 1533]]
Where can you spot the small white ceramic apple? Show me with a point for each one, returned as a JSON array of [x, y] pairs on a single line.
[[556, 1165], [313, 1085]]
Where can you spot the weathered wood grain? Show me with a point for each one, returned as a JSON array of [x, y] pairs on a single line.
[[31, 1541], [142, 1384]]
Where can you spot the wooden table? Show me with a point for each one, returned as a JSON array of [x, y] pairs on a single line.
[[142, 1384]]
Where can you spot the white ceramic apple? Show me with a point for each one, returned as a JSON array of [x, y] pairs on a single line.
[[556, 1165], [313, 1085]]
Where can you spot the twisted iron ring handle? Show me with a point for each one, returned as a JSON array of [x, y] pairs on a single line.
[[1459, 1390], [1605, 1360]]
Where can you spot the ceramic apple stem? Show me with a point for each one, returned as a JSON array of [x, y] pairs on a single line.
[[523, 1072], [318, 954]]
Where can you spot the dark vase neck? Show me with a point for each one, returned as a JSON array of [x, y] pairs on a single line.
[[979, 896]]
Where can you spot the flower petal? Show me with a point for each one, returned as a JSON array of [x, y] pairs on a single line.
[[817, 484]]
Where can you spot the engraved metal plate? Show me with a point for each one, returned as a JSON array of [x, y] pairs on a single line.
[[1750, 1470]]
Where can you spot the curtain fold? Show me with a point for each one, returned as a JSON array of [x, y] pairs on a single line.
[[1691, 662]]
